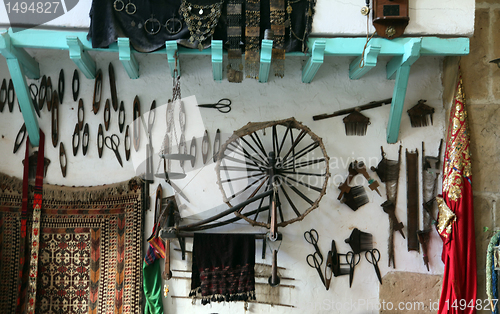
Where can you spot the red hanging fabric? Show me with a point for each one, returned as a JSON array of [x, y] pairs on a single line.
[[456, 216]]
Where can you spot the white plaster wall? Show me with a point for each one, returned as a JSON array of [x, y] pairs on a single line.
[[279, 98], [341, 18]]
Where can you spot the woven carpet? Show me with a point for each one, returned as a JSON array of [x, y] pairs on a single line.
[[90, 257]]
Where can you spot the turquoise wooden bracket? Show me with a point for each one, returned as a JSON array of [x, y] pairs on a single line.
[[400, 67], [81, 57], [217, 57], [171, 46], [127, 58], [360, 67], [266, 53], [9, 51], [20, 64], [315, 61]]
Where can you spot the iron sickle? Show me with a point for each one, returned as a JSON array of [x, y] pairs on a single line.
[[49, 94], [42, 92], [60, 86], [85, 139], [136, 123], [76, 135], [55, 118], [75, 85], [80, 113], [107, 114], [127, 143], [205, 147], [3, 94], [11, 92], [121, 117], [100, 140], [112, 85], [63, 161], [193, 151], [96, 102], [19, 142], [216, 149]]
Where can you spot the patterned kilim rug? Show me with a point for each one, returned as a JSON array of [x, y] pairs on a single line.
[[90, 257]]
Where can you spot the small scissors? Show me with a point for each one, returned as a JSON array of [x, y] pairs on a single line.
[[312, 237], [223, 105], [114, 142], [316, 264], [350, 258], [373, 257], [34, 97]]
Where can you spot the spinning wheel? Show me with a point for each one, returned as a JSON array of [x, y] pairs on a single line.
[[284, 157]]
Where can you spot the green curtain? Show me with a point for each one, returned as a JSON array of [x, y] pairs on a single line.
[[152, 287]]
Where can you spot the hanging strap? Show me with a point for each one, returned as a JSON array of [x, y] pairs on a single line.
[[37, 206]]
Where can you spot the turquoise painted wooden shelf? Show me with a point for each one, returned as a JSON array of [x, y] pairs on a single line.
[[404, 52]]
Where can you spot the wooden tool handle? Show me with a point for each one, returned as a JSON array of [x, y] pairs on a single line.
[[167, 273]]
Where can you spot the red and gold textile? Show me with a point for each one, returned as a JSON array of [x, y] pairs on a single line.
[[456, 216]]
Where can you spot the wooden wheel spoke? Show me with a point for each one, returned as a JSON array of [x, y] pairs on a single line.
[[275, 142], [242, 178], [304, 173], [307, 185], [258, 142], [236, 168], [305, 163], [247, 187], [245, 154], [299, 193], [244, 162], [261, 201], [254, 192], [288, 129], [306, 150], [290, 201], [295, 142], [263, 158]]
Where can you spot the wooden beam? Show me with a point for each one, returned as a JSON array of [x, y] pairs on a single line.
[[127, 58], [81, 57], [361, 65], [315, 61], [401, 67], [266, 53], [9, 51], [217, 57], [172, 54]]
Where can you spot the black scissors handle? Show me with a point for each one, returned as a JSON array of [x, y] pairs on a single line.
[[373, 257], [114, 142], [316, 264], [312, 237], [223, 105]]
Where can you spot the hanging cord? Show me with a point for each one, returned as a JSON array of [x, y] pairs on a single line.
[[366, 11]]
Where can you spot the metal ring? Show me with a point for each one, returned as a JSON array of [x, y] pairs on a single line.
[[173, 22], [129, 11], [118, 5], [152, 21]]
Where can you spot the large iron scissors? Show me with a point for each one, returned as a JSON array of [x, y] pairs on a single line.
[[373, 257], [312, 237], [350, 258], [312, 260], [112, 142], [223, 105]]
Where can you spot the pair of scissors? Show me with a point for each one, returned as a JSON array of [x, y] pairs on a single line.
[[312, 237], [373, 257], [223, 105], [112, 142], [350, 258], [312, 261]]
